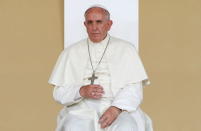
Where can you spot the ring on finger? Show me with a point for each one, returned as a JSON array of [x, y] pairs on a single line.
[[106, 123]]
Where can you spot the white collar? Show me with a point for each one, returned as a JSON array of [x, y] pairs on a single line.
[[101, 43]]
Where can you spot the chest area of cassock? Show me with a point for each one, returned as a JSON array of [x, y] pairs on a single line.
[[98, 63], [119, 65]]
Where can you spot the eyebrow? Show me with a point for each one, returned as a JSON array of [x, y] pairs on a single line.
[[91, 21]]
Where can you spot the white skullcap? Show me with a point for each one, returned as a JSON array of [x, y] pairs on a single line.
[[98, 6]]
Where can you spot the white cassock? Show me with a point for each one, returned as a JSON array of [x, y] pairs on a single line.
[[120, 73]]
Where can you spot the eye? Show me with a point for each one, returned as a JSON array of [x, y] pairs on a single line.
[[99, 21], [89, 22]]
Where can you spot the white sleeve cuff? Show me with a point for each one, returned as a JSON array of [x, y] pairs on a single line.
[[67, 95], [129, 98], [77, 95]]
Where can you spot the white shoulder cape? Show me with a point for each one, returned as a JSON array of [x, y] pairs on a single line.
[[124, 64]]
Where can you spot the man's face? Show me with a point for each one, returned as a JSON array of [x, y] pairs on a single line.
[[97, 24]]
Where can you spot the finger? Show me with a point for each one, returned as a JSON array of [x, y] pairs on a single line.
[[97, 86], [99, 91], [109, 122], [105, 124], [97, 96], [96, 92], [103, 118], [92, 94]]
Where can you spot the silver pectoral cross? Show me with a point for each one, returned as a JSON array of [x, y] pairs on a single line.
[[92, 78]]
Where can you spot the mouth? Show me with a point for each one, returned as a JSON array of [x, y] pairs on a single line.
[[95, 34]]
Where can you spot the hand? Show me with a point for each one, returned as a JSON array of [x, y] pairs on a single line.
[[92, 91], [109, 116]]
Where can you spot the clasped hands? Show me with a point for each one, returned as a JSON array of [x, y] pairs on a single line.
[[96, 92]]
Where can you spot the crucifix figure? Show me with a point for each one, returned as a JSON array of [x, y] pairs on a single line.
[[92, 78]]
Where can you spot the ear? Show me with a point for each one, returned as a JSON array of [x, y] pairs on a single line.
[[109, 24], [85, 23]]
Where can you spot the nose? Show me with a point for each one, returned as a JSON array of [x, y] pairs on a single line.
[[94, 26]]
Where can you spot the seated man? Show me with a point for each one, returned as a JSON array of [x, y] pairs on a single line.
[[100, 81]]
